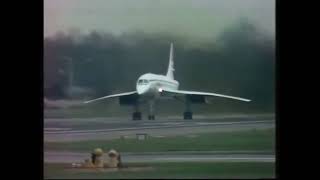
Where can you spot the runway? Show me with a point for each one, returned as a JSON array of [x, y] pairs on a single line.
[[71, 157], [66, 130]]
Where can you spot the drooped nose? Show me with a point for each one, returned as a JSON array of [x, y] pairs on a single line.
[[142, 89]]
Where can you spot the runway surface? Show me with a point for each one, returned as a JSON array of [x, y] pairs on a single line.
[[66, 130], [71, 157]]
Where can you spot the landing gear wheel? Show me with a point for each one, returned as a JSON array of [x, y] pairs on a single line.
[[151, 117], [187, 115], [136, 116]]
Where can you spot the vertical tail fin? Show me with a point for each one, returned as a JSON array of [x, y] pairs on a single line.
[[171, 63]]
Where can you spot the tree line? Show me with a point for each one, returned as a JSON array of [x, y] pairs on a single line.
[[240, 62]]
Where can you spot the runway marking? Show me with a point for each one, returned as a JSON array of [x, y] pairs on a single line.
[[269, 159], [218, 152], [164, 123], [152, 127], [228, 123], [56, 129], [146, 124], [159, 136], [172, 123], [203, 123], [74, 157]]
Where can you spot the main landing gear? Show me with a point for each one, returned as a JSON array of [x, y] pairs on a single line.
[[137, 115], [151, 111], [187, 114]]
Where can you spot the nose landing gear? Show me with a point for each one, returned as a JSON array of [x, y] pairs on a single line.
[[151, 117], [187, 115]]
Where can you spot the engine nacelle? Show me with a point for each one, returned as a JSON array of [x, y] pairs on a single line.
[[196, 99], [128, 100]]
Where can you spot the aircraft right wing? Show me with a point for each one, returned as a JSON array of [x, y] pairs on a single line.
[[126, 94], [195, 93]]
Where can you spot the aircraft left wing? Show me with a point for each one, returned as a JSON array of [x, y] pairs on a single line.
[[195, 93], [114, 95]]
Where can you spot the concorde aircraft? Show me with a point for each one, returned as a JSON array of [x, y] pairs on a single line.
[[152, 87]]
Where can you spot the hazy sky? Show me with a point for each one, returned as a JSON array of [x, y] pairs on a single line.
[[192, 18]]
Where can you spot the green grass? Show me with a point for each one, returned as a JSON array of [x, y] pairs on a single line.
[[240, 140], [171, 170]]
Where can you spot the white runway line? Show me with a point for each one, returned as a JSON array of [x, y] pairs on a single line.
[[56, 129], [159, 136], [230, 123], [153, 127], [237, 159], [68, 157], [163, 123], [172, 123], [147, 124]]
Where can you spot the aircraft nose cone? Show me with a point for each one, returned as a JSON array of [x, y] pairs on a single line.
[[142, 90]]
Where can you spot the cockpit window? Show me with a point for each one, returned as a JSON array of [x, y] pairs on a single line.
[[142, 81]]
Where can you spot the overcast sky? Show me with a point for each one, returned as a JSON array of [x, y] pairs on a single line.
[[192, 18]]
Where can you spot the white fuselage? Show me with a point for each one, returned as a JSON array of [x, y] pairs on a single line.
[[151, 85]]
